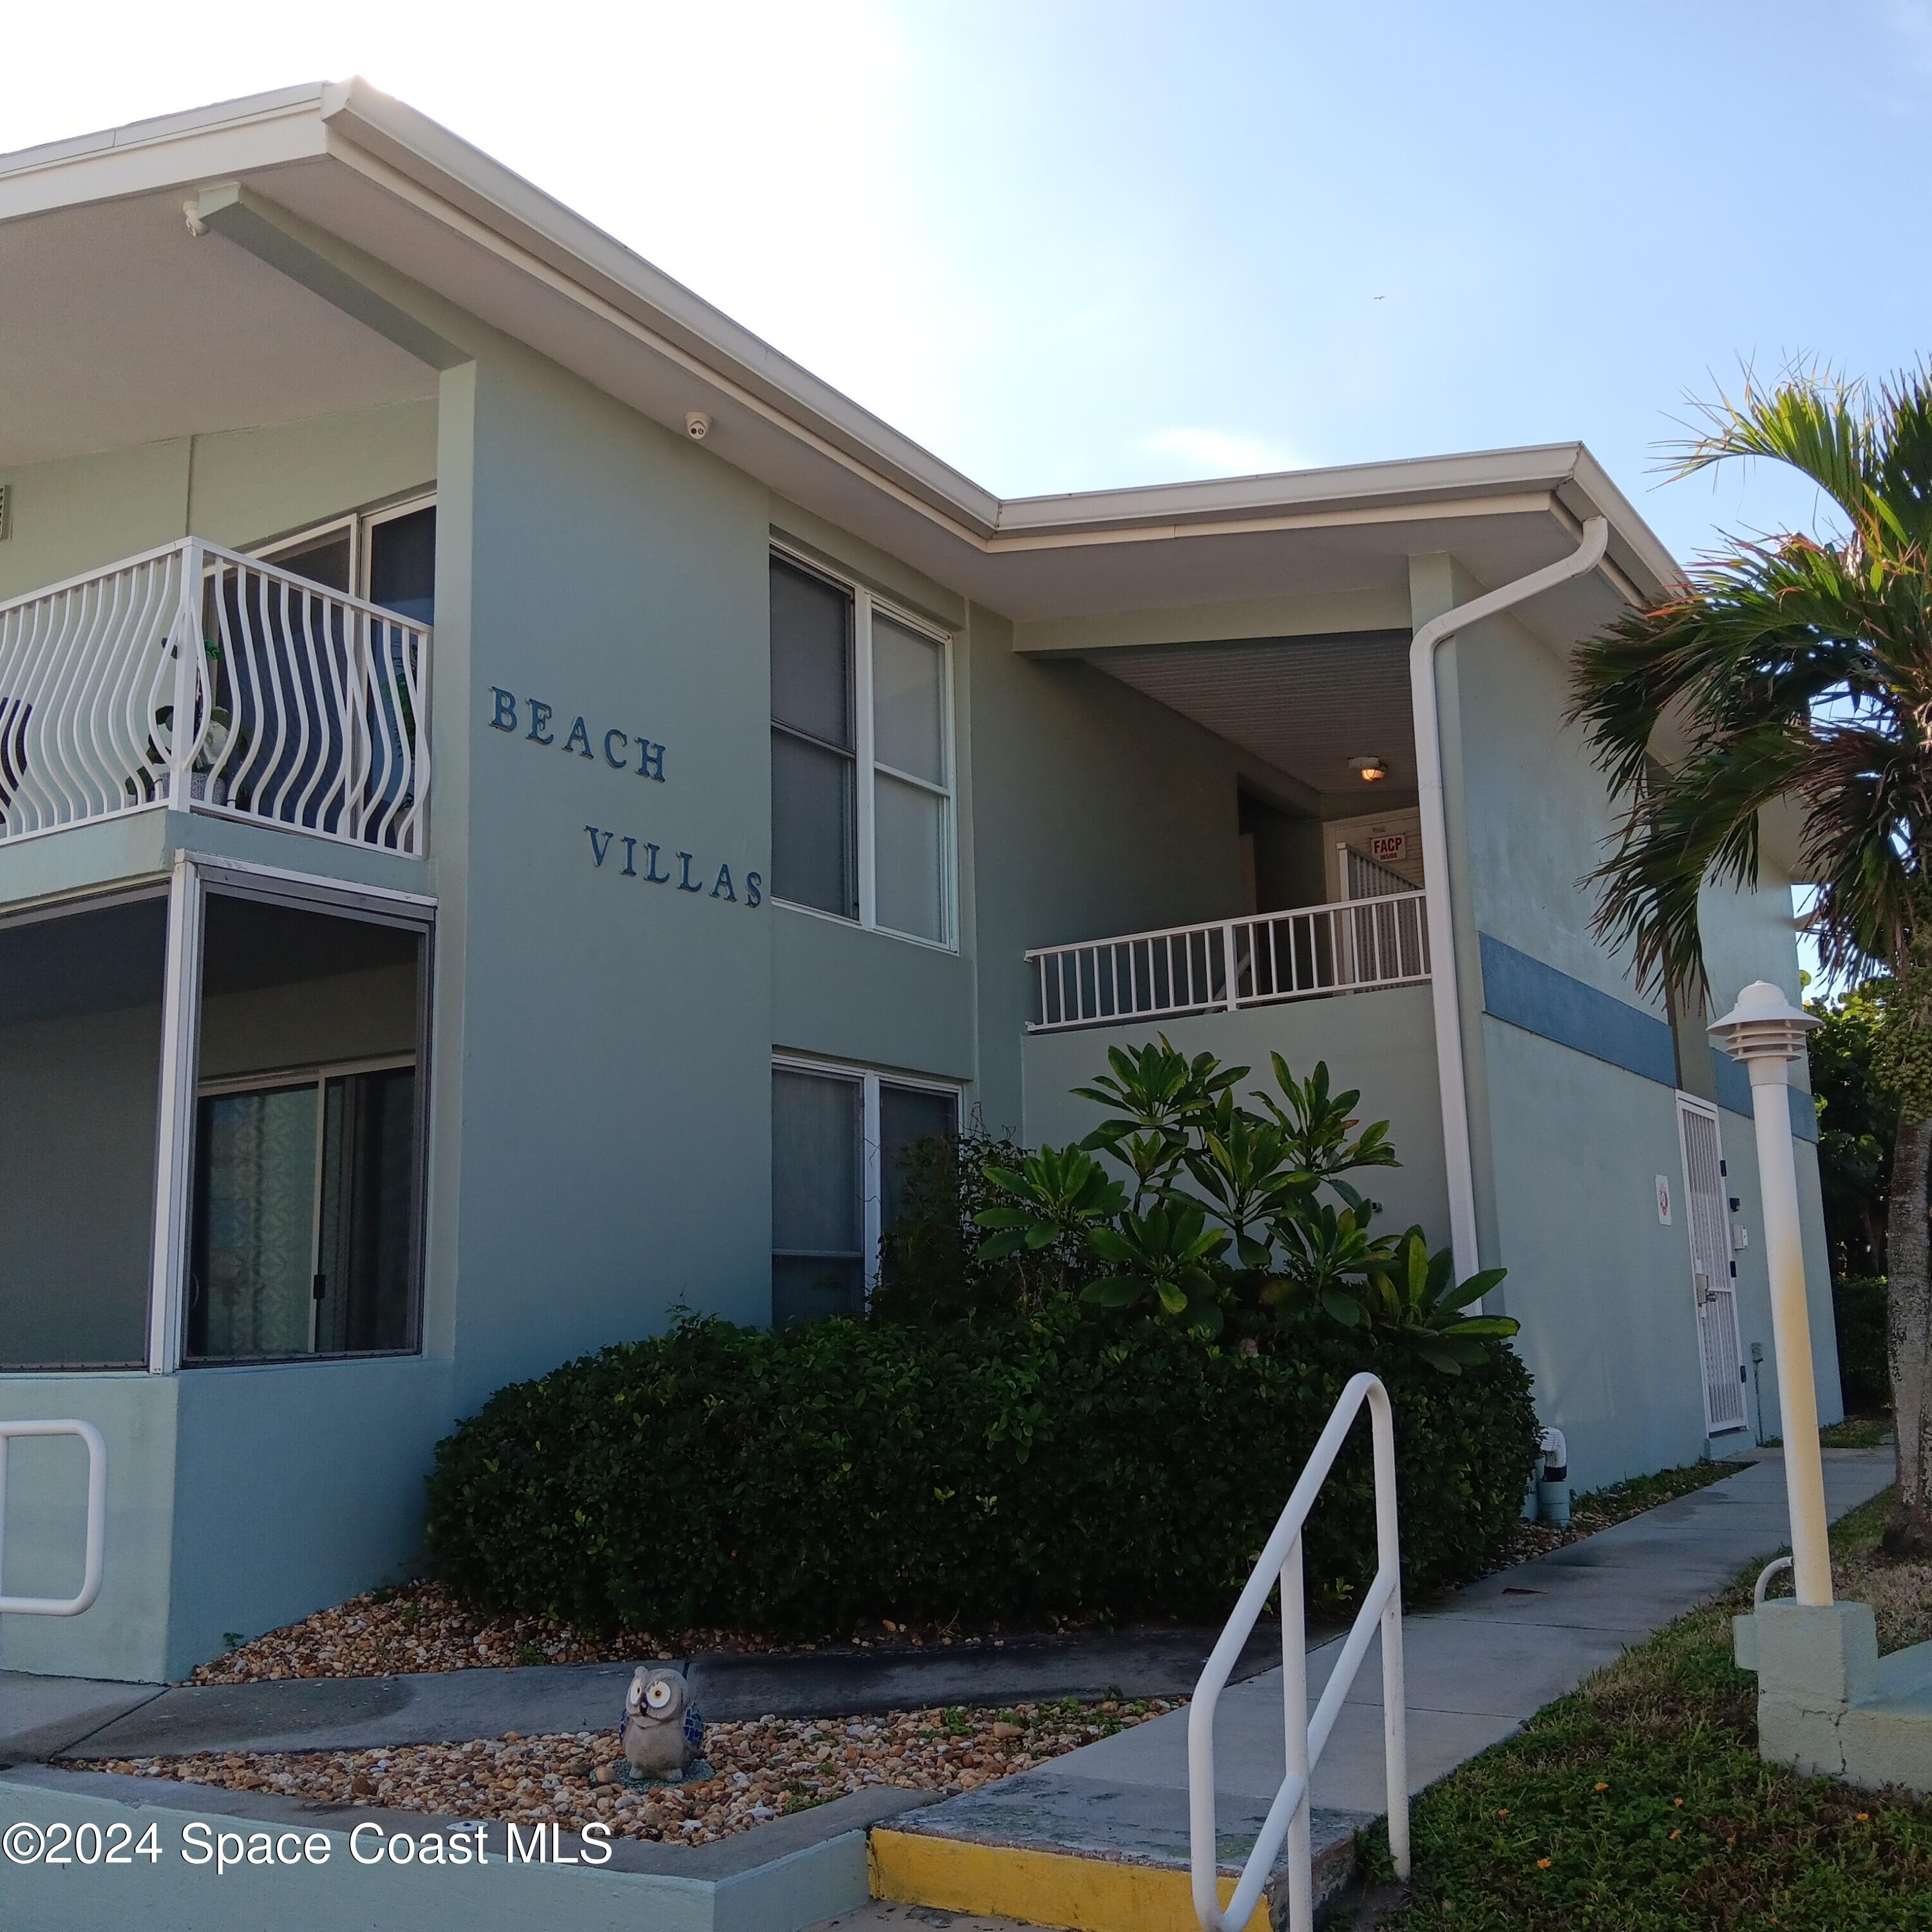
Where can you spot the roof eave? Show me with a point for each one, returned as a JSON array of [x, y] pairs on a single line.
[[358, 127]]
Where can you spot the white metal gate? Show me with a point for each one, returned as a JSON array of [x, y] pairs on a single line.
[[1709, 1226]]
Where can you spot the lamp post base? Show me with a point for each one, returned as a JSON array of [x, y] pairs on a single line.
[[1827, 1704]]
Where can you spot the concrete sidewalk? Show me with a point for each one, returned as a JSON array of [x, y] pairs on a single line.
[[43, 1716], [1495, 1653], [1478, 1665]]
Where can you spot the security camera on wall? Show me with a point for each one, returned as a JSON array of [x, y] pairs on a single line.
[[697, 425]]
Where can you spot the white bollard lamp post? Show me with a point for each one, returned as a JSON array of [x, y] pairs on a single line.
[[1767, 1033]]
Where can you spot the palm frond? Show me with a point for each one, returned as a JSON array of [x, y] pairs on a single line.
[[1794, 668], [1814, 422]]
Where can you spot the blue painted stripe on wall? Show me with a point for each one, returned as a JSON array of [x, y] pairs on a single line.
[[1734, 1096], [1544, 1000], [1541, 1000], [1733, 1088]]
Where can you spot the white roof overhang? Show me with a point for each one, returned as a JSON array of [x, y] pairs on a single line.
[[391, 183]]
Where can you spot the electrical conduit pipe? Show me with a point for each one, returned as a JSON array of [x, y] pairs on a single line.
[[1445, 990]]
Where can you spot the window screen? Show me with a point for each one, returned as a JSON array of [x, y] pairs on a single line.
[[818, 1221], [906, 1116], [80, 1061], [814, 760], [402, 564]]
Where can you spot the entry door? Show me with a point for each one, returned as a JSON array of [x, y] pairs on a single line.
[[1708, 1225]]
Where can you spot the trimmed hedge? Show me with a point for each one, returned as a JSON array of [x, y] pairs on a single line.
[[801, 1483]]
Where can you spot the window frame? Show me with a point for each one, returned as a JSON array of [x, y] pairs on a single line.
[[871, 1191], [358, 523], [867, 768], [317, 1076], [193, 877]]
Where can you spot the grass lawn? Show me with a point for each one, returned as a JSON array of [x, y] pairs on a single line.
[[1635, 1494], [1855, 1431], [1638, 1802]]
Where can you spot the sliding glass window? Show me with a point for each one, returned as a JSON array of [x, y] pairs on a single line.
[[840, 1140], [862, 757], [307, 1134]]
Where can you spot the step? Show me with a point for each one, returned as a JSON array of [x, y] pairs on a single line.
[[1092, 1854], [1889, 1740]]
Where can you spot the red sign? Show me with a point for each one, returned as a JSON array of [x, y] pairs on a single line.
[[1386, 849]]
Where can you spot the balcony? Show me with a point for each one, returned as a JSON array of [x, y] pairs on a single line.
[[301, 706], [1356, 945]]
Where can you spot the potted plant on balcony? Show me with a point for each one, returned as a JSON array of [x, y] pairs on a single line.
[[222, 734]]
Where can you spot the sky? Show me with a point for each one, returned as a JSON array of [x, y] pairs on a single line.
[[1068, 245]]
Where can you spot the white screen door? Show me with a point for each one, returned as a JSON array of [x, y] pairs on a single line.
[[1709, 1227]]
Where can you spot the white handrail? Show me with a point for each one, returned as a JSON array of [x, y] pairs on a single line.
[[1288, 1819], [97, 1519], [1351, 945]]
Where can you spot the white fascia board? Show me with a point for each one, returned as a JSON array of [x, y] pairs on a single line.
[[450, 168], [1411, 483], [261, 130], [1635, 548]]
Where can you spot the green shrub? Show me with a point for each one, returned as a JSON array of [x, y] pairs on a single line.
[[1865, 1375], [1013, 1471]]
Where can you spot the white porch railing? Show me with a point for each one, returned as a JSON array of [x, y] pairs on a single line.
[[1304, 1737], [1352, 947], [304, 707]]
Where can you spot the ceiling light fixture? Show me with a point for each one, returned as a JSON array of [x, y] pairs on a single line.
[[1369, 770]]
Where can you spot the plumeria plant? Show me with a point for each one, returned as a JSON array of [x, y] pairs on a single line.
[[1225, 1215]]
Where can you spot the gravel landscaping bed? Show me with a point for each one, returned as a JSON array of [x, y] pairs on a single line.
[[421, 1626], [764, 1769]]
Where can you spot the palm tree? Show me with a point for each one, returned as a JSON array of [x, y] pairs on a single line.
[[1799, 668]]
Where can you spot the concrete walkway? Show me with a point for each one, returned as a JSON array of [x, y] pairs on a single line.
[[1495, 1653], [43, 1716], [1478, 1664]]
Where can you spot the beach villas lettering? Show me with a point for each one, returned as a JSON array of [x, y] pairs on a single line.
[[533, 722]]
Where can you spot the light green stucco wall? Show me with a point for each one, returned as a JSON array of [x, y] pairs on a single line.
[[125, 1634], [1096, 811], [616, 1034], [1566, 1146], [237, 487]]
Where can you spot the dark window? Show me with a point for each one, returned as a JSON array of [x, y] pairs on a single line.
[[817, 1219], [815, 750], [402, 564], [906, 1116], [325, 560]]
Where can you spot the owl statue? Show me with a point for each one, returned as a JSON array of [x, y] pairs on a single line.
[[661, 1731]]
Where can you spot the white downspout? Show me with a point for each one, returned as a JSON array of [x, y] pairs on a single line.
[[1444, 990]]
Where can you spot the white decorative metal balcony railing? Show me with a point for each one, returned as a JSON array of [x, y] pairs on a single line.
[[306, 708], [1352, 947]]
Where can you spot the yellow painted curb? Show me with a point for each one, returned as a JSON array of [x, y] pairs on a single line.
[[1045, 1887]]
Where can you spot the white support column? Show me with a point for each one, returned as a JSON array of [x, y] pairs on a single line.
[[180, 1012]]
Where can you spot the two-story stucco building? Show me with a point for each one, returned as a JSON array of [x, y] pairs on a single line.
[[516, 800]]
